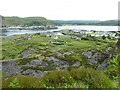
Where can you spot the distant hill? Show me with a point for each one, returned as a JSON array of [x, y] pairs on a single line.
[[27, 21], [109, 22], [87, 22], [41, 21]]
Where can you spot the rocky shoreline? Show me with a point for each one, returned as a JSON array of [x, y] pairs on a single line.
[[32, 28]]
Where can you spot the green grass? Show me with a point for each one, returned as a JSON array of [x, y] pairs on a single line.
[[75, 78], [13, 47], [81, 77]]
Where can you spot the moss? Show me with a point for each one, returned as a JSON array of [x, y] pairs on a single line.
[[58, 78], [36, 68], [24, 61]]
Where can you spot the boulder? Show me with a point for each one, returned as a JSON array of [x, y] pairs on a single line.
[[11, 68], [77, 64], [27, 52], [68, 53]]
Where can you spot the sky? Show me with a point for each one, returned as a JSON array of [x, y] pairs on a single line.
[[61, 9]]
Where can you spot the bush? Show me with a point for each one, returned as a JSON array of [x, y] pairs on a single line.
[[94, 78], [58, 78], [23, 82], [15, 83], [113, 70], [103, 37]]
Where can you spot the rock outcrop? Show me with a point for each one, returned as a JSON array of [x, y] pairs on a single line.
[[100, 59], [38, 67]]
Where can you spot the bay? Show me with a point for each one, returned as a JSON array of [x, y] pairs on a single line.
[[96, 28]]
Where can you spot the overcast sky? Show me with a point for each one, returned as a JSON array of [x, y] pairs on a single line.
[[61, 9]]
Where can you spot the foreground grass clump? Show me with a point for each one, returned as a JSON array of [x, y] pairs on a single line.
[[76, 78], [113, 70], [24, 82], [94, 78], [58, 78]]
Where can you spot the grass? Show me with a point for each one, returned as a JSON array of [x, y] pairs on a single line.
[[13, 47], [24, 82], [81, 77], [75, 78]]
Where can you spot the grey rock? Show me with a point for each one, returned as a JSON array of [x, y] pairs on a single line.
[[35, 62], [77, 64], [59, 55], [28, 72], [53, 51], [34, 73], [63, 67], [87, 54], [105, 63], [27, 52], [0, 66], [10, 68], [68, 53], [102, 66], [27, 38], [108, 49], [40, 74], [53, 59]]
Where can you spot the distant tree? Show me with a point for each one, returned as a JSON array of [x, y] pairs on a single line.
[[109, 37], [103, 37]]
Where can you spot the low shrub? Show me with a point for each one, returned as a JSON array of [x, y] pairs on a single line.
[[58, 78], [23, 82], [24, 61], [94, 78]]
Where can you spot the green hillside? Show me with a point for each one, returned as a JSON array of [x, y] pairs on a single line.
[[27, 21], [87, 22], [41, 21]]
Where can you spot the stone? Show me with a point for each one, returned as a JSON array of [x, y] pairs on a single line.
[[59, 55], [27, 52], [68, 53], [102, 66], [11, 68], [87, 54], [53, 59], [77, 64]]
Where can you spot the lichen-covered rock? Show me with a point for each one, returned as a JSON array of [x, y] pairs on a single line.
[[0, 66], [27, 52], [11, 68], [38, 67], [77, 64], [63, 67], [96, 57], [51, 59], [59, 55], [68, 53], [93, 58], [102, 66], [105, 63]]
